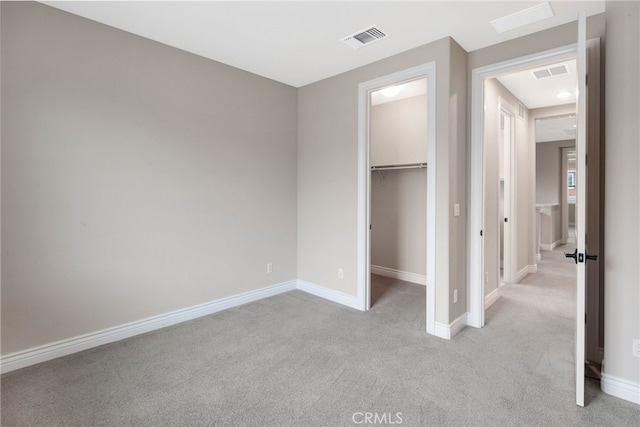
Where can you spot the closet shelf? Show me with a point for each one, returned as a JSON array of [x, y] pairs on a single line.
[[393, 167]]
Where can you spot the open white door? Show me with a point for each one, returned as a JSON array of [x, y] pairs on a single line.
[[581, 185]]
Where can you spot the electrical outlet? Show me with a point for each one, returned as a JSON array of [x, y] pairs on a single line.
[[486, 277], [455, 296], [340, 273], [636, 348], [269, 268]]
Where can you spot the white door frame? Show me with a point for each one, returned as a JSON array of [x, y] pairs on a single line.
[[427, 70], [581, 206], [510, 237], [476, 204]]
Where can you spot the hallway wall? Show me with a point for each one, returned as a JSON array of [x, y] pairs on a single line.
[[622, 199], [523, 155], [549, 170]]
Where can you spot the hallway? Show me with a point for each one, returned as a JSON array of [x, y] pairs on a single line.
[[536, 319]]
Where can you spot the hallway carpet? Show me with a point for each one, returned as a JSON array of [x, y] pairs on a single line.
[[297, 360]]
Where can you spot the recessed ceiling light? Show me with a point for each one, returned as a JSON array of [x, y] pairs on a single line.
[[390, 91], [524, 17], [563, 95]]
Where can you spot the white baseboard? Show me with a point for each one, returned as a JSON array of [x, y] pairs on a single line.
[[22, 359], [527, 269], [623, 389], [451, 330], [420, 279], [550, 247], [491, 298], [330, 294]]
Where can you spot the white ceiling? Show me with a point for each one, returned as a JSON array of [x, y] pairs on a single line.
[[538, 93], [559, 128], [297, 42]]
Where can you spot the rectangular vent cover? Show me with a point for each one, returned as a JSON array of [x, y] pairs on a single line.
[[555, 70], [363, 37]]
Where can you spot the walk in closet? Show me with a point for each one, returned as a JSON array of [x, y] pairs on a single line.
[[398, 160]]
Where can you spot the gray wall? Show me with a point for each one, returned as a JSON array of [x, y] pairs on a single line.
[[137, 179], [549, 170], [328, 166], [622, 194], [398, 216], [398, 135], [523, 168], [398, 132]]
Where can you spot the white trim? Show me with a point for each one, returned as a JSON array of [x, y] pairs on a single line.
[[43, 353], [510, 236], [476, 179], [550, 247], [491, 298], [442, 330], [581, 184], [620, 388], [527, 269], [427, 70], [330, 294], [420, 279]]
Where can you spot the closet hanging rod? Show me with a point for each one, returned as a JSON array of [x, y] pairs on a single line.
[[391, 167]]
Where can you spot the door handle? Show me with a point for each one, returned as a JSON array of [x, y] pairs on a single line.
[[573, 255], [580, 257], [590, 257]]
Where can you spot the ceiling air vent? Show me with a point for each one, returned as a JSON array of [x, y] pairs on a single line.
[[554, 70], [363, 37]]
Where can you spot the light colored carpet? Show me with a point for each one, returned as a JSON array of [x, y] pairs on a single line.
[[297, 360]]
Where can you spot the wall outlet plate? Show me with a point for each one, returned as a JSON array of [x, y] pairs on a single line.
[[636, 348]]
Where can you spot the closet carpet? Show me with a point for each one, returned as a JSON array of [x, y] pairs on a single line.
[[297, 360]]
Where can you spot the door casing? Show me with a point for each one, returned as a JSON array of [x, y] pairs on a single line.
[[427, 70], [476, 272]]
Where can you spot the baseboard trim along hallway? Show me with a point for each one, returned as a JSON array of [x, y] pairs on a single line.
[[620, 388], [46, 352], [451, 330], [527, 269], [491, 298]]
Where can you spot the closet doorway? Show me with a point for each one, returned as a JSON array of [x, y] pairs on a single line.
[[398, 192], [396, 220]]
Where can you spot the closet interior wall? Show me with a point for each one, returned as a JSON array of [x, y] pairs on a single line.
[[398, 136]]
